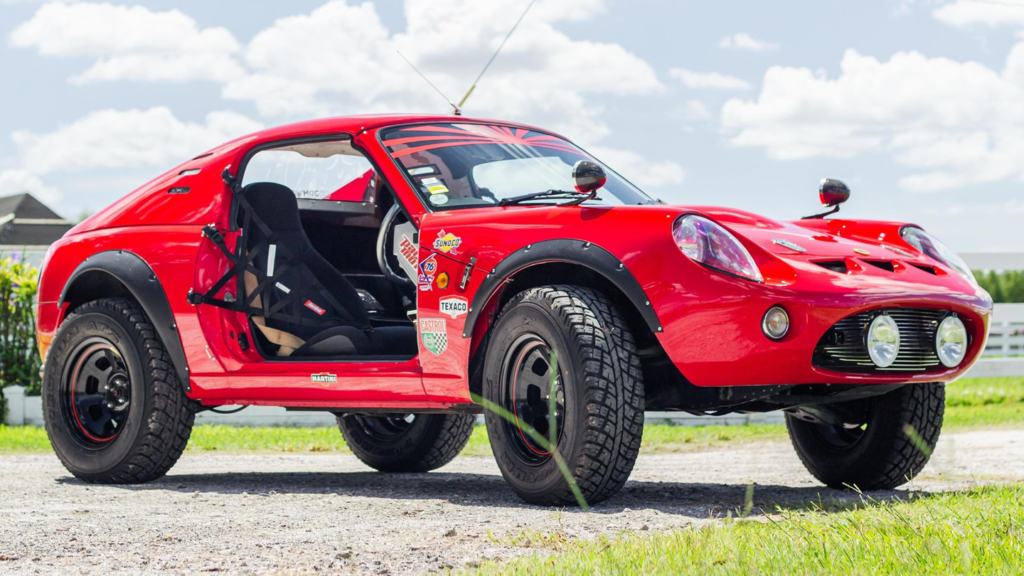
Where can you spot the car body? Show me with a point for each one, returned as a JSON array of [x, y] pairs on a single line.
[[698, 330]]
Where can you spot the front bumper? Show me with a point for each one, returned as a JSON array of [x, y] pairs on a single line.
[[720, 343]]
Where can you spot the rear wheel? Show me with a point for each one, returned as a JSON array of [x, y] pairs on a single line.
[[562, 362], [114, 407], [875, 443], [406, 442]]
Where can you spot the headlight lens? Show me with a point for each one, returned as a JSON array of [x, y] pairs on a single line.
[[931, 246], [951, 341], [708, 243], [883, 341]]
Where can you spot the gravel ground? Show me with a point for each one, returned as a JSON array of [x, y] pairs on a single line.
[[306, 514]]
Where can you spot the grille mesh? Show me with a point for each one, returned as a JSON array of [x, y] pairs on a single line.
[[843, 348]]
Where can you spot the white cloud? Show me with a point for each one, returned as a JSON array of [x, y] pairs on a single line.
[[967, 12], [18, 181], [692, 79], [111, 139], [130, 43], [640, 170], [744, 41], [956, 123], [341, 59]]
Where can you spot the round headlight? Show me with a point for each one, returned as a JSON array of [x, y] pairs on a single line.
[[775, 323], [883, 341], [951, 342], [712, 245]]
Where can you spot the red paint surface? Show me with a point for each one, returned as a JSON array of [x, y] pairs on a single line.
[[711, 321]]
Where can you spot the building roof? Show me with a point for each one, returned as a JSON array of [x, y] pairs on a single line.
[[25, 221]]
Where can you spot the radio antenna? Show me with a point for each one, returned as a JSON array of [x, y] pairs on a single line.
[[495, 55], [458, 110]]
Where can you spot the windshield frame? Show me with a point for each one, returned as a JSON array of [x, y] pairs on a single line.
[[459, 120]]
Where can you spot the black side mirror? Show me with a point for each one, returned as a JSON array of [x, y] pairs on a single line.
[[588, 177], [833, 192]]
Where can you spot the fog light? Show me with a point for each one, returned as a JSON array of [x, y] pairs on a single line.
[[883, 341], [951, 341], [775, 323]]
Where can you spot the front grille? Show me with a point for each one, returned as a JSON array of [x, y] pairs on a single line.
[[844, 347]]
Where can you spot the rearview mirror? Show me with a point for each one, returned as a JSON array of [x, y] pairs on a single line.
[[833, 192], [588, 177]]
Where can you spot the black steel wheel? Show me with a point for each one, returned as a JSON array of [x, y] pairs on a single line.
[[872, 443], [592, 405], [115, 409], [406, 442], [96, 392], [532, 392]]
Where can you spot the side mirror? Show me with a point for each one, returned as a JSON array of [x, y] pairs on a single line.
[[588, 177], [833, 192]]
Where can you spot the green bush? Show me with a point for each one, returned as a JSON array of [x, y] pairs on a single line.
[[1004, 288], [19, 354], [3, 407]]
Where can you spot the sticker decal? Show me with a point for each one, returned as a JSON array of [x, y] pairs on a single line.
[[434, 186], [454, 306], [426, 275], [439, 199], [442, 280], [447, 242], [434, 335], [324, 378], [313, 306], [409, 251], [862, 251]]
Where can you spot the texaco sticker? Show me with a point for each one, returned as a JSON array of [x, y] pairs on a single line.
[[454, 306], [434, 335]]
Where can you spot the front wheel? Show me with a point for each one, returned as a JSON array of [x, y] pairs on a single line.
[[406, 442], [562, 364], [875, 443], [115, 409]]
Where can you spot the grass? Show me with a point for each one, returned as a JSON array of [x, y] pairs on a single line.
[[972, 532], [970, 403]]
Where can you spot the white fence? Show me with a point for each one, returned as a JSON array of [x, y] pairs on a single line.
[[1004, 356]]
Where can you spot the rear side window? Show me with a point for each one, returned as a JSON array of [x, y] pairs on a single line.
[[315, 171]]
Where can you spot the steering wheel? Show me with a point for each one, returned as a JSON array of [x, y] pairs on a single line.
[[384, 239]]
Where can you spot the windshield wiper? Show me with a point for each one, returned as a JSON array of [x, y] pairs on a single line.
[[535, 195]]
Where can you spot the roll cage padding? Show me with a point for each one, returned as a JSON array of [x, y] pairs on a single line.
[[577, 252], [136, 275]]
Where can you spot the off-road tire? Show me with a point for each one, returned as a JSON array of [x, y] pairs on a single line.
[[886, 455], [160, 418], [602, 382], [427, 443]]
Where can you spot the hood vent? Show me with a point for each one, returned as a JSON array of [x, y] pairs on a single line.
[[925, 268], [833, 265], [886, 265]]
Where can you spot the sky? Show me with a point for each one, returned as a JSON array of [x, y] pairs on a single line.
[[918, 105]]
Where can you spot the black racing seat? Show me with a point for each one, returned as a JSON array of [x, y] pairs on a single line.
[[308, 307]]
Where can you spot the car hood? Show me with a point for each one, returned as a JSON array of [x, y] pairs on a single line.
[[816, 238]]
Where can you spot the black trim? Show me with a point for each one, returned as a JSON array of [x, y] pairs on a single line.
[[136, 275], [568, 251]]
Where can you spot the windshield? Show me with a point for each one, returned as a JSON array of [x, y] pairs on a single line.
[[474, 165]]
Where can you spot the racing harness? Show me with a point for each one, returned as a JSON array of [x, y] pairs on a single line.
[[276, 309]]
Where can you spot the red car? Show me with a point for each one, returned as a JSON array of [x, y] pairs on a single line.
[[404, 272]]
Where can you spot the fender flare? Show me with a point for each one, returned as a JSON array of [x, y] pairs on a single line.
[[578, 252], [136, 275]]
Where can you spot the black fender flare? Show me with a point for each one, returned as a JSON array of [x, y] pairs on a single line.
[[136, 275], [578, 252]]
